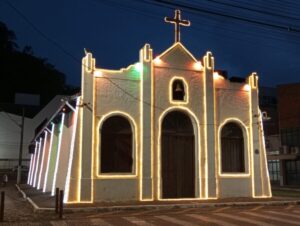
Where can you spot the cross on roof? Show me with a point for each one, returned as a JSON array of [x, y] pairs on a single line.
[[177, 22]]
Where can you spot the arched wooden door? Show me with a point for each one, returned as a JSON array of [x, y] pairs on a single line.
[[177, 156]]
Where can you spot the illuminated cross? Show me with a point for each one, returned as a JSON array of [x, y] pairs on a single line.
[[177, 22]]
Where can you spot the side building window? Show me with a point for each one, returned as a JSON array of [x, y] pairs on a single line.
[[232, 149], [178, 90], [116, 145]]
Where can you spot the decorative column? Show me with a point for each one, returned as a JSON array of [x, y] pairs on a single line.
[[146, 125], [254, 123], [209, 127], [87, 114]]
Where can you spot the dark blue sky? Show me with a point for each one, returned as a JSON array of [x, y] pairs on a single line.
[[115, 30]]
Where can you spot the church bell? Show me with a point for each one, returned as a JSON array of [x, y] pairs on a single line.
[[178, 88]]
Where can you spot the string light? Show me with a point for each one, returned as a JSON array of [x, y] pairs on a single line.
[[138, 67], [217, 76], [48, 158], [157, 61], [198, 66], [247, 87]]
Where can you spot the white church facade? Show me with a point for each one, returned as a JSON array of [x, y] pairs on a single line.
[[164, 128]]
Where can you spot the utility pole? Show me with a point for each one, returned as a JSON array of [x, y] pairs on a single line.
[[19, 176]]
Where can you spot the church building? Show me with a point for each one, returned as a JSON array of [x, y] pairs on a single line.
[[164, 128]]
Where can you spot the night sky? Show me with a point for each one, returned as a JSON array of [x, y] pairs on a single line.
[[114, 31]]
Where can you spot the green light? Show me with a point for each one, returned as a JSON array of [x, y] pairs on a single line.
[[138, 67]]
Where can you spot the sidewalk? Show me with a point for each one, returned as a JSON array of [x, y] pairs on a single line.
[[17, 209], [43, 202], [286, 188]]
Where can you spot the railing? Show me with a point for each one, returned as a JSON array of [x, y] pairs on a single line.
[[12, 164], [295, 150]]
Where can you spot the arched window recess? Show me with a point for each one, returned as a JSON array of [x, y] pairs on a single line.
[[232, 149], [116, 146], [178, 90]]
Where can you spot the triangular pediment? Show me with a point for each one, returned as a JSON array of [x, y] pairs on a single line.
[[178, 56]]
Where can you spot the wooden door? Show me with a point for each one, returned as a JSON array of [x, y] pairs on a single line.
[[178, 158]]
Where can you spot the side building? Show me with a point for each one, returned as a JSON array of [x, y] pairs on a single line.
[[289, 124], [10, 130], [282, 133], [268, 103]]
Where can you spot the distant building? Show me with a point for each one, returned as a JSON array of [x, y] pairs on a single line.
[[10, 140], [289, 125], [284, 161], [10, 131], [268, 103]]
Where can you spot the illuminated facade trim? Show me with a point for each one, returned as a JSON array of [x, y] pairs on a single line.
[[246, 149], [30, 177], [196, 126], [251, 143], [42, 162], [80, 151], [181, 46], [264, 161], [134, 151], [30, 168], [58, 153], [71, 156], [186, 91], [205, 135], [37, 163], [141, 151], [49, 155]]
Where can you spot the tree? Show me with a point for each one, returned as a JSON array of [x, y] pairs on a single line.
[[21, 71], [7, 39]]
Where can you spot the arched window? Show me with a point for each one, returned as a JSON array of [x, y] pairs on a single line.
[[178, 90], [116, 146], [232, 148]]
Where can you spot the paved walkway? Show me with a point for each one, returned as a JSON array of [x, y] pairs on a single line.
[[19, 212], [18, 209], [45, 200], [223, 216]]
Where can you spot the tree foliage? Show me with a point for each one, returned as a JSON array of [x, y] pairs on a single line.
[[22, 72]]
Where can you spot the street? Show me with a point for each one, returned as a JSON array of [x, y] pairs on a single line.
[[19, 212], [225, 216]]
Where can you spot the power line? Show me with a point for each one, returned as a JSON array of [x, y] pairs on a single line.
[[254, 10], [256, 34], [220, 14], [225, 30], [214, 33], [72, 56], [78, 61], [278, 7], [286, 4], [36, 29]]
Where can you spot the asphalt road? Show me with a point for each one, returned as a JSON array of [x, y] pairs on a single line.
[[18, 212], [224, 216]]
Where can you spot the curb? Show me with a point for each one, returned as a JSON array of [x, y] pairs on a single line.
[[21, 191], [179, 206], [38, 209]]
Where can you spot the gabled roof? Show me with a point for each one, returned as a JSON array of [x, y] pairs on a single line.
[[178, 54]]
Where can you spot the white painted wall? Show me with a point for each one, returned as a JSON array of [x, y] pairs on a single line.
[[10, 133]]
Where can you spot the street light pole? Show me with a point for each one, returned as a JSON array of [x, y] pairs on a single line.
[[19, 176]]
